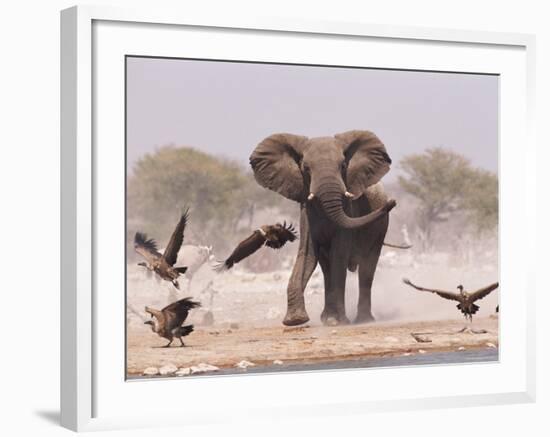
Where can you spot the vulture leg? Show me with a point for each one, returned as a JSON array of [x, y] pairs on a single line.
[[169, 343], [468, 317], [182, 343]]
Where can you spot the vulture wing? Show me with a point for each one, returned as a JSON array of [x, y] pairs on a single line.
[[482, 292], [157, 315], [146, 247], [444, 294], [176, 313], [245, 248], [280, 235], [176, 240]]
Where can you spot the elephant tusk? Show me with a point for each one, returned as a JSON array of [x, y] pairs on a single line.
[[348, 194], [311, 196]]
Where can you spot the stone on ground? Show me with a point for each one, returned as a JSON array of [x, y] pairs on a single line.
[[151, 371]]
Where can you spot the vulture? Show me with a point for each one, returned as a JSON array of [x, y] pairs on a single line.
[[274, 236], [163, 264], [465, 300], [168, 321]]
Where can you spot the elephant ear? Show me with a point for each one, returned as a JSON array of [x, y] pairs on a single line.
[[367, 159], [276, 165]]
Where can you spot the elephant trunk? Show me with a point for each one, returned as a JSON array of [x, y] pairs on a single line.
[[331, 199]]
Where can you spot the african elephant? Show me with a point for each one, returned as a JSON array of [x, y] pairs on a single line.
[[343, 212]]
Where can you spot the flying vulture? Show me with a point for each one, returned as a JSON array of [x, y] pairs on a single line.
[[163, 264], [168, 321], [274, 236], [465, 300]]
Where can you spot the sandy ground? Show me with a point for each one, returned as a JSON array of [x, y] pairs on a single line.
[[248, 309], [224, 347]]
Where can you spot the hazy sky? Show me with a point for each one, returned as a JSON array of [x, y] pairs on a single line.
[[226, 108]]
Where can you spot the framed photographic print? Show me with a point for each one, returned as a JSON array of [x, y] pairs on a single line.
[[254, 210]]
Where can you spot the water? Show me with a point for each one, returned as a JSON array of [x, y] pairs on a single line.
[[454, 357], [434, 358]]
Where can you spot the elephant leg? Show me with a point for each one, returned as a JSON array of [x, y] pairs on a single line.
[[328, 310], [367, 268], [305, 264], [335, 304]]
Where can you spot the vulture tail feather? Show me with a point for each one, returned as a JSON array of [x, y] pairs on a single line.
[[182, 331]]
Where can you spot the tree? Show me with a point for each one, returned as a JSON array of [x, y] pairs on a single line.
[[220, 193], [481, 200], [444, 183]]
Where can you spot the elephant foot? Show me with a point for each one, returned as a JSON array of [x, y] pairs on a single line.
[[364, 318], [295, 318], [333, 319]]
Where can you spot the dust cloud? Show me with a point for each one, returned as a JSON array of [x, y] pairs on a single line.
[[247, 298]]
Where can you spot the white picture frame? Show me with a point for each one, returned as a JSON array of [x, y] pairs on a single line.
[[91, 390]]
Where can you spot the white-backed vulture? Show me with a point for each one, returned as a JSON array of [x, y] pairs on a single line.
[[168, 321], [274, 236], [465, 299], [163, 264]]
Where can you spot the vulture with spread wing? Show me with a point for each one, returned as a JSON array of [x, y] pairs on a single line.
[[465, 299], [168, 321], [274, 236], [163, 264]]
